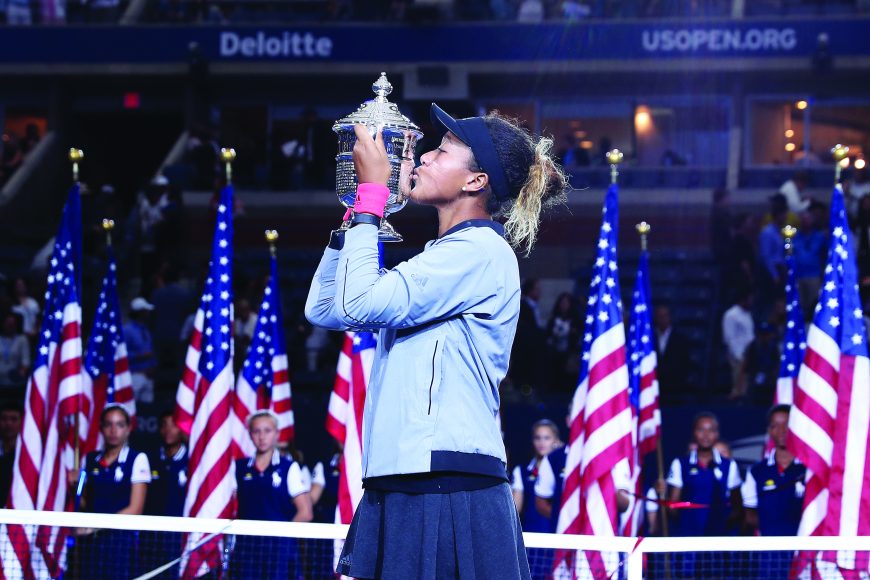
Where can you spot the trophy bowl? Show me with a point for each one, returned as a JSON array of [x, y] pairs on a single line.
[[400, 139]]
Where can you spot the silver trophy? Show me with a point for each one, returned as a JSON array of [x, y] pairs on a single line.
[[400, 138]]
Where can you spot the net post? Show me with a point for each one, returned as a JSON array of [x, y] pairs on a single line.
[[634, 562]]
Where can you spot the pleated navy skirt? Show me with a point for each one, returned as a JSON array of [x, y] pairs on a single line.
[[469, 535]]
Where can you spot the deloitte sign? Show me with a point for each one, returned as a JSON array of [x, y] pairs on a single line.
[[281, 45]]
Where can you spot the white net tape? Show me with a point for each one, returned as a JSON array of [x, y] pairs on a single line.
[[145, 547]]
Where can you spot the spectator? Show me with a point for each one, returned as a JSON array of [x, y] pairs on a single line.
[[11, 416], [268, 487], [529, 346], [140, 350], [705, 477], [738, 270], [18, 13], [171, 235], [762, 364], [563, 338], [575, 10], [794, 191], [771, 251], [721, 231], [545, 439], [116, 482], [574, 156], [773, 493], [672, 352], [862, 239], [26, 307], [809, 253], [315, 343], [166, 494], [31, 139], [530, 12], [738, 333], [14, 353], [150, 215], [775, 509], [172, 302], [858, 190], [549, 484], [104, 11], [12, 157]]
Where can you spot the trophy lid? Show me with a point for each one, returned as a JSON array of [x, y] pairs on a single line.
[[378, 111]]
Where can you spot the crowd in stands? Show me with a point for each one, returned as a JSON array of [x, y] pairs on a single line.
[[27, 12], [15, 148], [749, 249]]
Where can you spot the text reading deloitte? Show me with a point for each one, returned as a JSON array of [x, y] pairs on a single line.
[[720, 40], [284, 45]]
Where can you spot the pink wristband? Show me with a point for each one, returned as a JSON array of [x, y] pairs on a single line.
[[371, 198]]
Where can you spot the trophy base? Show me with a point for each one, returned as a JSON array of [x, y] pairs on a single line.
[[386, 233]]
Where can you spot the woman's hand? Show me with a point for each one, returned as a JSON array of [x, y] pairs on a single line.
[[370, 157]]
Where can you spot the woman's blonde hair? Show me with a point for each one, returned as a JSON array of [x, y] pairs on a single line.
[[535, 180]]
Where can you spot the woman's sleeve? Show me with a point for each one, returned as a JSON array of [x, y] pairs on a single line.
[[450, 278], [321, 295]]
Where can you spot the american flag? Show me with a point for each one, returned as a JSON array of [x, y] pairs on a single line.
[[344, 421], [795, 340], [643, 391], [106, 378], [204, 398], [264, 382], [830, 418], [45, 450], [600, 443]]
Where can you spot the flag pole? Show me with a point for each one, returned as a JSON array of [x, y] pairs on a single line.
[[228, 155], [643, 230], [840, 153], [614, 158], [272, 239], [76, 156]]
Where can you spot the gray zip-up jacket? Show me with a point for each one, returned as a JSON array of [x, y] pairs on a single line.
[[446, 321]]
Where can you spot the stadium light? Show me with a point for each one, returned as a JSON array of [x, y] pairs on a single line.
[[860, 164], [801, 105], [789, 133], [789, 147], [642, 120]]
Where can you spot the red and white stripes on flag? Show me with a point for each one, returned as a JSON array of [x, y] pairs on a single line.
[[264, 382], [106, 375], [643, 393], [830, 420], [600, 445], [204, 399], [46, 446], [345, 418]]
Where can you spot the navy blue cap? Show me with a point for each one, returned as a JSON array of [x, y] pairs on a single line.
[[474, 133]]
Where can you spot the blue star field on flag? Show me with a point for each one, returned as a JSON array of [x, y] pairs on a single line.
[[604, 305], [838, 313], [107, 331], [794, 342], [268, 336], [640, 330], [362, 341], [217, 300], [62, 277]]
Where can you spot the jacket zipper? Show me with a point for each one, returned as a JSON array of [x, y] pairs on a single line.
[[432, 380]]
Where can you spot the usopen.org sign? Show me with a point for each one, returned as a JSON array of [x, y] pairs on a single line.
[[719, 40], [283, 45]]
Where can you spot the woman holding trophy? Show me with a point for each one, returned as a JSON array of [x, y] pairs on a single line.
[[437, 502]]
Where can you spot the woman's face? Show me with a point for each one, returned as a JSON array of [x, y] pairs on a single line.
[[264, 433], [544, 441], [115, 429], [564, 304], [442, 173]]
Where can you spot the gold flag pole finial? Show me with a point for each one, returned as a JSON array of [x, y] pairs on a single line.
[[614, 158], [839, 153], [228, 155], [108, 226], [643, 229], [788, 234], [272, 239], [76, 156]]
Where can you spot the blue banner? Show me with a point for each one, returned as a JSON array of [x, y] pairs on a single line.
[[601, 40]]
